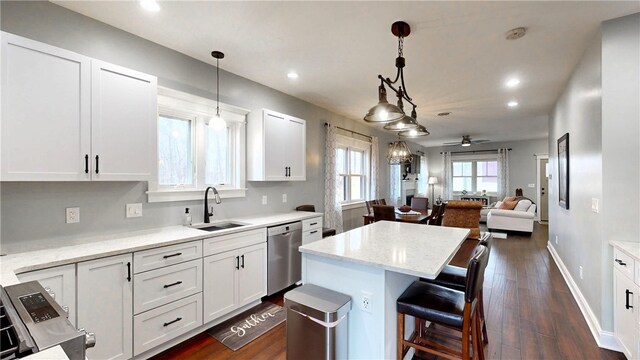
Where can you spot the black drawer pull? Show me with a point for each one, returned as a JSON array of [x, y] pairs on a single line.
[[627, 293], [313, 232], [172, 255], [315, 223], [622, 263], [172, 321], [173, 284], [86, 164]]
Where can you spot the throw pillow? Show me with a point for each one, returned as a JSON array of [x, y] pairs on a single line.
[[523, 205], [509, 198], [508, 204]]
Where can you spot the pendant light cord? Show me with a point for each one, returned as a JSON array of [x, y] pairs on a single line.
[[217, 87]]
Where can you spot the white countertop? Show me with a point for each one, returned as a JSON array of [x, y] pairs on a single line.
[[54, 353], [98, 247], [413, 249], [630, 248]]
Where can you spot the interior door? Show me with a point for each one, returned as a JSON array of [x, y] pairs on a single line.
[[543, 207]]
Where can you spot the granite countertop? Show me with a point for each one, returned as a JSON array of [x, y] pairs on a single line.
[[630, 248], [413, 249], [99, 247]]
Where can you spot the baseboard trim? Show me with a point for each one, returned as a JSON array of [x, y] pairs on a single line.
[[604, 339]]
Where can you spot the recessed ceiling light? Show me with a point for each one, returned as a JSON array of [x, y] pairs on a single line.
[[516, 33], [150, 5], [292, 75], [513, 82], [446, 113], [512, 104]]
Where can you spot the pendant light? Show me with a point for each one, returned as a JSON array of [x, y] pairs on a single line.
[[414, 133], [399, 153], [405, 123], [217, 122]]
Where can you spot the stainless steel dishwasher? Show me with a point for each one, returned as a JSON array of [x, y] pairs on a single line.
[[284, 267]]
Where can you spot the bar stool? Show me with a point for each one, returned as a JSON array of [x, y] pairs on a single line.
[[451, 308], [454, 277]]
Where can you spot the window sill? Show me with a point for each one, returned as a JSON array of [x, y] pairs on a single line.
[[191, 194], [352, 205]]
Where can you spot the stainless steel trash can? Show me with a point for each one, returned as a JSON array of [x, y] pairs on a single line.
[[317, 323]]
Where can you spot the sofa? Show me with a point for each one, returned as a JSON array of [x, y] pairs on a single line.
[[519, 219]]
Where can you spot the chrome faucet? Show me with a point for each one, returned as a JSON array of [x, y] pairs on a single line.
[[209, 212]]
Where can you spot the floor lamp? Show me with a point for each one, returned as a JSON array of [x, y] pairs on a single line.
[[432, 181]]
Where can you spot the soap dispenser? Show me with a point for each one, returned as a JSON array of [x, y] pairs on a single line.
[[187, 217]]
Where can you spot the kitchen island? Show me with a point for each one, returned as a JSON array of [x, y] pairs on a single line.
[[377, 262]]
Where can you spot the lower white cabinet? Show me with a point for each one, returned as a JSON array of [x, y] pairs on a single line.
[[233, 279], [157, 326], [311, 230], [105, 305], [625, 312], [61, 281]]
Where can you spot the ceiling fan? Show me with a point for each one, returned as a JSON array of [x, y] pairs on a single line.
[[466, 141]]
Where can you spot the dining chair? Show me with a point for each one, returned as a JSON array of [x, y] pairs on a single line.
[[384, 212], [436, 214], [449, 308], [312, 208], [463, 214], [419, 203], [382, 202], [369, 204]]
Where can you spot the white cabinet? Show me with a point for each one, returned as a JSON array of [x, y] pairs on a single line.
[[252, 277], [276, 145], [311, 230], [61, 281], [105, 305], [626, 303], [46, 120], [67, 117], [221, 284]]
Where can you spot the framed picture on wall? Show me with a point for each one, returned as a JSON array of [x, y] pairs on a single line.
[[563, 171]]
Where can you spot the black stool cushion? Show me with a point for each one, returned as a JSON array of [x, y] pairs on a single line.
[[328, 232], [433, 303], [452, 277]]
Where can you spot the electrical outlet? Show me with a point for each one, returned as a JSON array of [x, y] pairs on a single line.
[[284, 198], [365, 302], [134, 210], [595, 207], [264, 199], [532, 185], [73, 215], [581, 273], [556, 239]]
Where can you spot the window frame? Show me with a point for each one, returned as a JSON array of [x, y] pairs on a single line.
[[474, 172], [181, 105], [349, 143]]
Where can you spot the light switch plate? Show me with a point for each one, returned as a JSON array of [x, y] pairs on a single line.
[[284, 198], [72, 215], [595, 206], [532, 185], [264, 199], [134, 210]]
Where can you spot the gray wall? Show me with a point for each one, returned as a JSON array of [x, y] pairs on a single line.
[[522, 163], [33, 213]]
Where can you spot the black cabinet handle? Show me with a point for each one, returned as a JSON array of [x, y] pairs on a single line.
[[315, 223], [238, 262], [627, 293], [172, 255], [313, 232], [285, 171], [242, 266], [86, 163], [622, 263], [129, 272], [97, 164], [173, 284], [172, 321]]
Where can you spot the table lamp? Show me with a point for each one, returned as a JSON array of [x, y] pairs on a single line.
[[432, 181]]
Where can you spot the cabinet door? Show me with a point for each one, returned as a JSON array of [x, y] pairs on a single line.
[[62, 281], [275, 146], [45, 112], [105, 306], [296, 154], [123, 123], [252, 276], [624, 318], [220, 284]]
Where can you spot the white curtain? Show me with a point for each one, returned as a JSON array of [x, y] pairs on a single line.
[[375, 171], [394, 183], [423, 177], [332, 208], [503, 173], [447, 176]]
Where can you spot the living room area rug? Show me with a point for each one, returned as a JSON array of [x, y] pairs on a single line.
[[248, 325]]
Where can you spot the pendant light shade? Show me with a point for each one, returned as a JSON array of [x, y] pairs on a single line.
[[383, 111], [414, 133], [405, 123], [399, 153], [217, 122]]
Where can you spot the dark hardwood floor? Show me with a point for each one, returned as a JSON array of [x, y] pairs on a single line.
[[530, 312]]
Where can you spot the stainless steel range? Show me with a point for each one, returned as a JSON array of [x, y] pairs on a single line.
[[32, 321]]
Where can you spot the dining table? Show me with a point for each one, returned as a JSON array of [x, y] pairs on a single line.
[[402, 217]]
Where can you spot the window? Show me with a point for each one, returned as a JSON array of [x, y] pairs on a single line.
[[353, 164], [192, 155], [475, 175]]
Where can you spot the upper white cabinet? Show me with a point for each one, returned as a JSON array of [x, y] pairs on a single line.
[[67, 117], [276, 147]]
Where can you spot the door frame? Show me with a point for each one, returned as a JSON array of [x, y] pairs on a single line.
[[540, 157]]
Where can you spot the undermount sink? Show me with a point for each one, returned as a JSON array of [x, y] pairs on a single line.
[[221, 226]]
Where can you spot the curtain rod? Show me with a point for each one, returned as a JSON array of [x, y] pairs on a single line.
[[474, 151], [351, 131]]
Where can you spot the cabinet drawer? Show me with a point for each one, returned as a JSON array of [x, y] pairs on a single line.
[[310, 236], [220, 244], [160, 325], [166, 255], [161, 286], [624, 263], [309, 224]]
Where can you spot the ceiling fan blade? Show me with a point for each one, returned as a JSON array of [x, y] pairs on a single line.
[[479, 141], [452, 143]]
